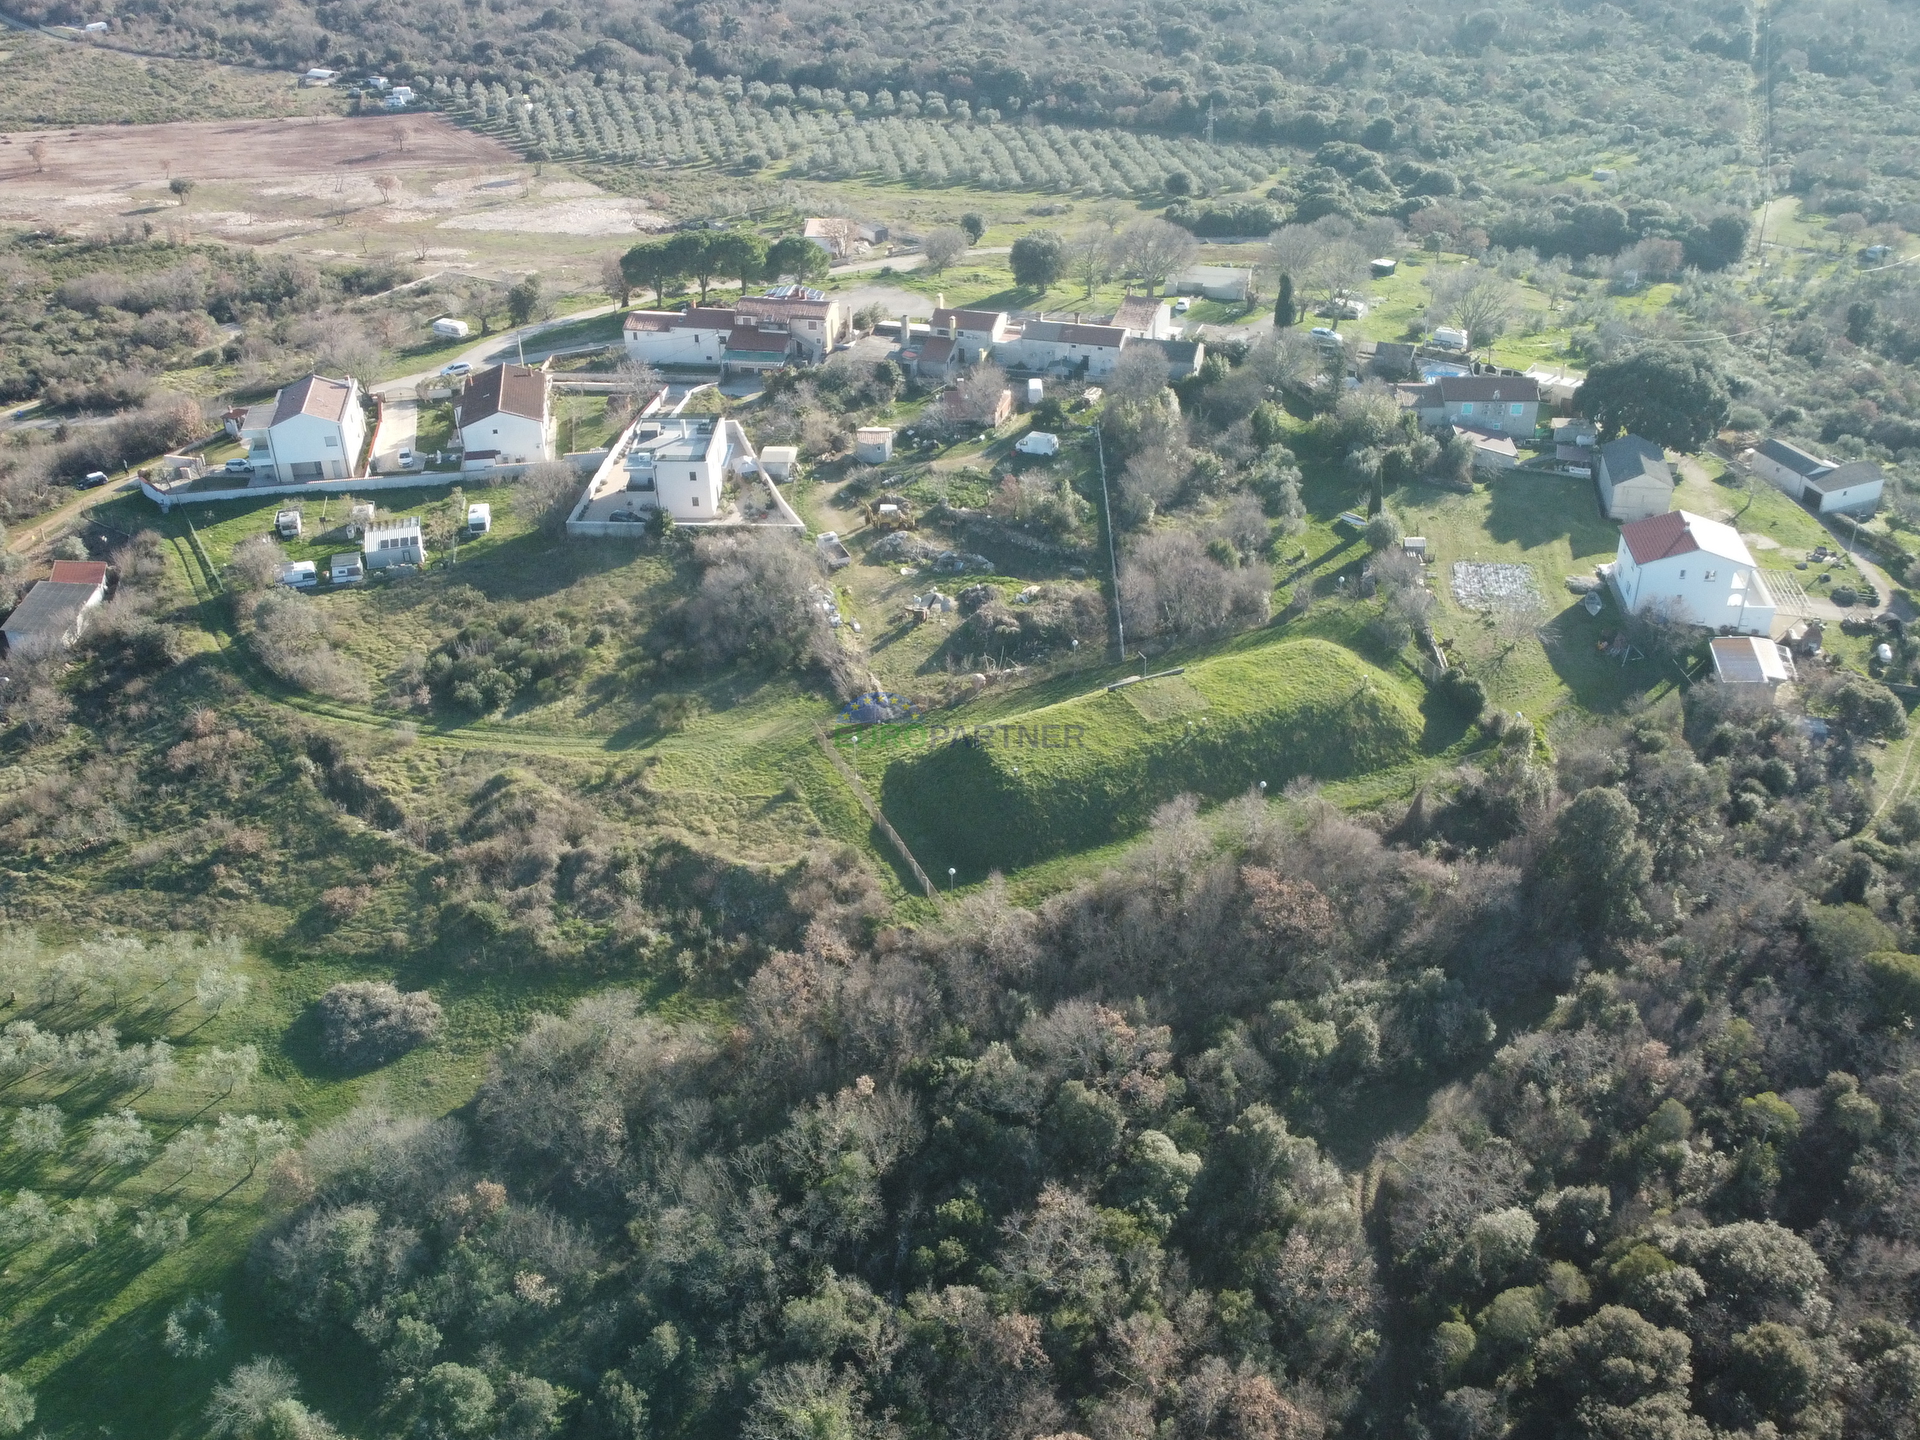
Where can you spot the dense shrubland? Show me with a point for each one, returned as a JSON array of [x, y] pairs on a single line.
[[1096, 1167]]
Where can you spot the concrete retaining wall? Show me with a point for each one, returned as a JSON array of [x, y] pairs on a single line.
[[586, 460]]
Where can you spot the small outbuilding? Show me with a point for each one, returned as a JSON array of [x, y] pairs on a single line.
[[777, 461], [299, 575], [1751, 660], [1383, 267], [1633, 479], [346, 569], [398, 541], [287, 523], [873, 444]]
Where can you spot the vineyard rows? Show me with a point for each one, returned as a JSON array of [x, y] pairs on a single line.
[[624, 122]]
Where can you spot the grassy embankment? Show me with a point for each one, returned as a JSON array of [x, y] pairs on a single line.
[[1082, 772]]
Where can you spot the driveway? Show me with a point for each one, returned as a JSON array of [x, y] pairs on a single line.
[[494, 349], [399, 426]]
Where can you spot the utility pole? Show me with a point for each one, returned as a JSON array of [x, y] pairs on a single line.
[[1209, 122]]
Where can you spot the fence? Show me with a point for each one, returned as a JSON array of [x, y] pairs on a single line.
[[168, 497], [852, 777]]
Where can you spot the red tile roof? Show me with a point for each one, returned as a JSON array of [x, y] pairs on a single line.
[[79, 572], [1659, 536], [771, 342]]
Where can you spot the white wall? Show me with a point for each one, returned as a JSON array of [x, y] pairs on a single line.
[[304, 439], [1682, 583], [688, 346], [514, 436], [1854, 497], [1778, 475]]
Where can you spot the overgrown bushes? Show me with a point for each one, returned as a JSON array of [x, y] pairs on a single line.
[[365, 1023]]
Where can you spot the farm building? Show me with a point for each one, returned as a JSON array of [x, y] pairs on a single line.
[[53, 613], [1633, 479], [1694, 568], [314, 430], [1853, 488], [507, 410], [1215, 282], [397, 541]]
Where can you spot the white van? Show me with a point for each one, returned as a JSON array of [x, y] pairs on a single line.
[[1037, 442], [479, 519]]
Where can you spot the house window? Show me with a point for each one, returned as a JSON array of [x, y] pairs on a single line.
[[333, 442], [1711, 575], [1683, 574], [696, 502], [1515, 409], [1466, 408]]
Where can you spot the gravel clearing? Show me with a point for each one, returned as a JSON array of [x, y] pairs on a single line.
[[1486, 585]]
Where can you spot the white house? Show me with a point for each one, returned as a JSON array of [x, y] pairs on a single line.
[[974, 332], [677, 465], [394, 541], [1786, 466], [1633, 479], [1696, 569], [1144, 318], [505, 416], [314, 430], [1065, 346], [669, 337]]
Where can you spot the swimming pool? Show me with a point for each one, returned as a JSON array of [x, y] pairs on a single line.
[[1432, 370]]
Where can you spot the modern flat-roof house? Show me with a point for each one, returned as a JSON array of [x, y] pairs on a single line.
[[1633, 479], [51, 615], [974, 333], [1694, 568], [677, 465], [394, 541], [670, 337], [506, 415], [1144, 318], [1065, 347], [314, 430]]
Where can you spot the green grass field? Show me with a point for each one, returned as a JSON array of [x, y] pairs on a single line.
[[1085, 771]]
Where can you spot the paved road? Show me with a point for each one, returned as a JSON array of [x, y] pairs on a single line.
[[494, 349]]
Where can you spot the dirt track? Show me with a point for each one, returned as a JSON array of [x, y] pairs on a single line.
[[101, 156]]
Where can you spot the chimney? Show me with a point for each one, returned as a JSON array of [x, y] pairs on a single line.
[[940, 300]]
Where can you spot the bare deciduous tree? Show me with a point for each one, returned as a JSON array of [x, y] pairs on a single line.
[[944, 246], [1151, 250]]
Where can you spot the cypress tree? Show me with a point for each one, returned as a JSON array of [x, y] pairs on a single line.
[[1283, 305]]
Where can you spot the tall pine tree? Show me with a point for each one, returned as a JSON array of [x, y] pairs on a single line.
[[1283, 315]]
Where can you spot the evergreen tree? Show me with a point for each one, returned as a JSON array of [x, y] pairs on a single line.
[[1283, 314]]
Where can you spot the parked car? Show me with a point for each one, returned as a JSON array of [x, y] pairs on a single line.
[[406, 457], [458, 367], [1182, 305], [94, 477], [239, 466]]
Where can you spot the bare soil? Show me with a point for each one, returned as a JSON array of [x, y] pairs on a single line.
[[101, 157]]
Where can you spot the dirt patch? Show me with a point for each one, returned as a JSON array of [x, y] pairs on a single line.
[[602, 215], [92, 158]]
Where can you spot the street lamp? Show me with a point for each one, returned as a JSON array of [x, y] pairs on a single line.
[[951, 872]]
